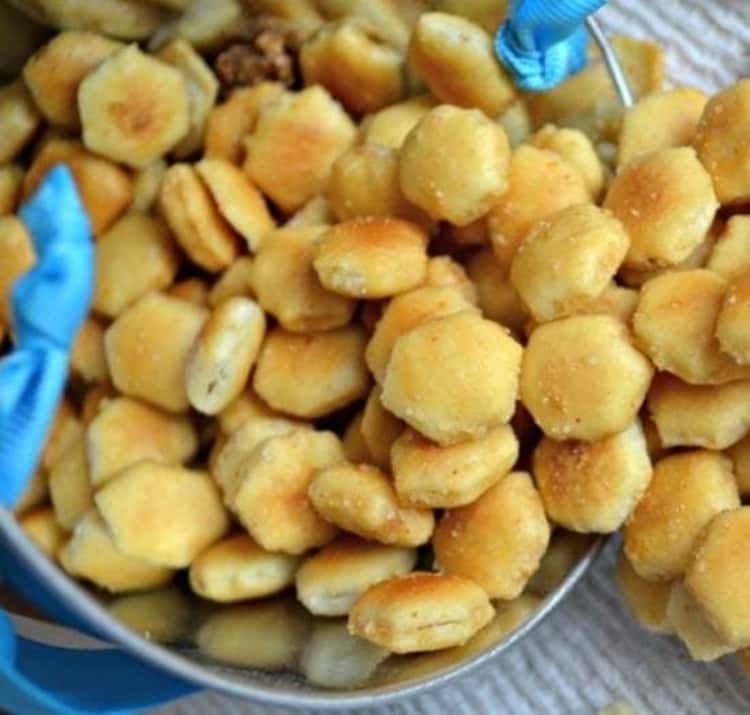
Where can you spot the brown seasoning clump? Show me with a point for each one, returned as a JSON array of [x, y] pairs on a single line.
[[268, 54]]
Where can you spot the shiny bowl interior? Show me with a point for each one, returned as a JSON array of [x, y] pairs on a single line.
[[275, 639]]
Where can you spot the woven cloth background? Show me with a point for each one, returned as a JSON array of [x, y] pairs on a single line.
[[589, 652]]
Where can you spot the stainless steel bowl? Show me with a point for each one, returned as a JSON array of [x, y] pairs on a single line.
[[387, 681]]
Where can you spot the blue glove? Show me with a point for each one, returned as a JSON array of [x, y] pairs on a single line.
[[544, 41], [49, 304]]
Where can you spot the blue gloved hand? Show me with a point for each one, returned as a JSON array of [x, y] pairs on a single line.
[[544, 41], [49, 304]]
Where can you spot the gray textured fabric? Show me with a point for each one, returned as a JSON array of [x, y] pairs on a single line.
[[589, 652]]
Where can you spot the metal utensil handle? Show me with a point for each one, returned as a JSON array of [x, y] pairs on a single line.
[[611, 62]]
